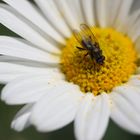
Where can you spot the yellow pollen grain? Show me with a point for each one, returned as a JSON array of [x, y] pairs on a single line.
[[119, 64]]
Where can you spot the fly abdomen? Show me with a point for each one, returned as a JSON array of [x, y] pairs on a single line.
[[100, 60]]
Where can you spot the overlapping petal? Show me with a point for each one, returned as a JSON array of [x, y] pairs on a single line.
[[10, 71], [30, 12], [92, 117], [57, 108], [123, 14], [71, 11], [21, 120], [15, 22], [52, 13], [89, 11], [20, 48], [101, 11], [129, 27], [30, 88], [126, 108]]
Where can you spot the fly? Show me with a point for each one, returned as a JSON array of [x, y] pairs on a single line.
[[89, 43]]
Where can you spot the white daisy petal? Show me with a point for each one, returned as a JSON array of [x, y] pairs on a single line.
[[101, 7], [20, 48], [107, 11], [123, 13], [135, 31], [71, 11], [6, 78], [126, 108], [10, 68], [88, 9], [77, 5], [30, 12], [60, 103], [113, 10], [92, 118], [21, 26], [9, 71], [131, 22], [21, 119], [135, 81], [29, 88], [51, 12], [27, 62], [137, 45]]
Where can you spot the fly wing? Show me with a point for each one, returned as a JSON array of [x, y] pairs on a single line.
[[78, 36], [86, 31]]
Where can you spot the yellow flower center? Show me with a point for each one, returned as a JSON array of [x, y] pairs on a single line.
[[119, 63]]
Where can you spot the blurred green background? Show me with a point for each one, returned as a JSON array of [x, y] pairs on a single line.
[[7, 113]]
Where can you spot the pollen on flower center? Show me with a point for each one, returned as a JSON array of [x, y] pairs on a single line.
[[119, 64]]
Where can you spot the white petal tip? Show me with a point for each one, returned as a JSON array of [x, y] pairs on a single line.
[[16, 127]]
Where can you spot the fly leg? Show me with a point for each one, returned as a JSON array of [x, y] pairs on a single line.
[[86, 55], [82, 49], [94, 65]]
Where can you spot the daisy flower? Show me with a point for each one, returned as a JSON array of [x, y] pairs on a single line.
[[48, 70]]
